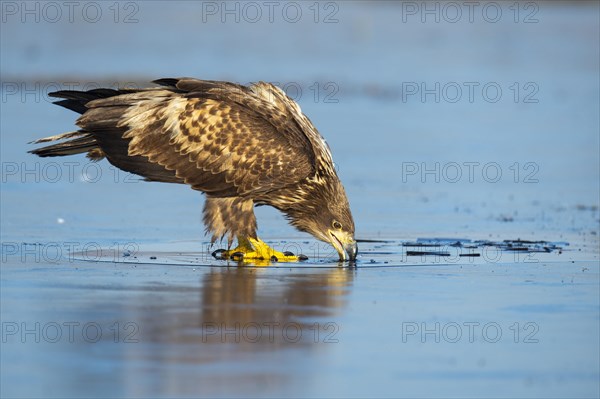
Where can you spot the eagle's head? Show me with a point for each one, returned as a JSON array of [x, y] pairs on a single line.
[[336, 226], [325, 213]]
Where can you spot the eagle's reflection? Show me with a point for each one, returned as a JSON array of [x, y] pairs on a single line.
[[239, 327], [244, 309], [235, 330], [257, 306]]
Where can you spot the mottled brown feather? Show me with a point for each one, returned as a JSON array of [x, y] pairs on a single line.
[[222, 139]]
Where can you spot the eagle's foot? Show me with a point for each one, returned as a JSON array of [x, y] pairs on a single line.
[[250, 249]]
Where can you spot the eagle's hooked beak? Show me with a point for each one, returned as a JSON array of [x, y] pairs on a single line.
[[352, 250], [344, 244]]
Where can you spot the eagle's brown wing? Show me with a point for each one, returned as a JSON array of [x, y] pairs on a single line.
[[220, 138]]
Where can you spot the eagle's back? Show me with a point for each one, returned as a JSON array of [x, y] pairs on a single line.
[[221, 138]]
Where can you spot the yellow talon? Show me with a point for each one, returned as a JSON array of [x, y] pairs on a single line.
[[252, 250]]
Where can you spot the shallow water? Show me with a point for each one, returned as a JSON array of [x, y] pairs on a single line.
[[108, 287]]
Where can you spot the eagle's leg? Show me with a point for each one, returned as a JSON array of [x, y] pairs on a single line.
[[234, 217], [256, 249]]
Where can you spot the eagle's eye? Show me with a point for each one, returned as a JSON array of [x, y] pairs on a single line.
[[336, 225]]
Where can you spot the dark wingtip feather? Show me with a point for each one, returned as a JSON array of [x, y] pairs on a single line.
[[169, 82], [77, 100], [73, 105], [84, 95], [71, 94]]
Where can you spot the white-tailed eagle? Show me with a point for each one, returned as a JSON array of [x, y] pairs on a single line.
[[240, 145]]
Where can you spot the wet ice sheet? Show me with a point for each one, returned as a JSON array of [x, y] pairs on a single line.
[[202, 330], [373, 253], [187, 325]]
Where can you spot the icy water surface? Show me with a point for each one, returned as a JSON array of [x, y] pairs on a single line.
[[477, 216]]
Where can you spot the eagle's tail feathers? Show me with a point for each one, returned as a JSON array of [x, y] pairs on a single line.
[[100, 134], [81, 143], [76, 133]]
